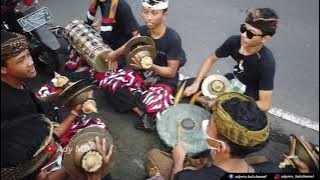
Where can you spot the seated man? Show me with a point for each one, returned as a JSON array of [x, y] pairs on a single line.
[[118, 23], [30, 143], [128, 89], [256, 65], [237, 128], [17, 100]]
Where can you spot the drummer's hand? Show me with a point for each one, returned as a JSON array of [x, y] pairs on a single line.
[[178, 154], [300, 165], [77, 109], [112, 66], [101, 147], [112, 61], [135, 62], [190, 90]]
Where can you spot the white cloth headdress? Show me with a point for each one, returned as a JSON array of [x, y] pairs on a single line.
[[155, 4]]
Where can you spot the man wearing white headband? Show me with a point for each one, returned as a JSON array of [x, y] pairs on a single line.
[[155, 4], [170, 57]]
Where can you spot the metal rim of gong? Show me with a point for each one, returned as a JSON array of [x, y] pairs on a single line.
[[74, 89], [100, 64], [141, 39]]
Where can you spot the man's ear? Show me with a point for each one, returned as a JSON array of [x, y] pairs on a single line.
[[223, 147], [265, 39], [4, 70]]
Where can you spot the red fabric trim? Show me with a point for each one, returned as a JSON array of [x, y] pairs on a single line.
[[92, 9], [106, 20]]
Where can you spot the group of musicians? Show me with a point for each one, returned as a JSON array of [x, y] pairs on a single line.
[[31, 143]]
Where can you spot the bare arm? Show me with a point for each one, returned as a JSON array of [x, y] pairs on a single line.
[[265, 100], [178, 154], [166, 71], [206, 66], [113, 55], [65, 125]]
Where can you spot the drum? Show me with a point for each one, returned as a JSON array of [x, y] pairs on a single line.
[[182, 123], [88, 43]]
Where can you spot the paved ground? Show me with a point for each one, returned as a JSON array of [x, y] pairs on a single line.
[[295, 46]]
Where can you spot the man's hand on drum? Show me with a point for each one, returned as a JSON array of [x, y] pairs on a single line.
[[101, 147], [300, 165], [112, 61], [135, 62], [190, 90]]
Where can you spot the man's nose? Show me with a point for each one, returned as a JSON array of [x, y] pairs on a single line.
[[30, 61], [149, 16]]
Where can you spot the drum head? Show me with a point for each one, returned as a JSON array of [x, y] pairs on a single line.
[[189, 117]]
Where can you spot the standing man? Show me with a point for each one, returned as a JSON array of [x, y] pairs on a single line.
[[256, 65], [118, 23], [146, 99]]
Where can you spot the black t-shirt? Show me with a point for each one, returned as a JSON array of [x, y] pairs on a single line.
[[255, 71], [125, 24], [17, 102], [168, 48], [214, 172]]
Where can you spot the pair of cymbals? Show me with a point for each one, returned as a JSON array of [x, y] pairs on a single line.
[[144, 47]]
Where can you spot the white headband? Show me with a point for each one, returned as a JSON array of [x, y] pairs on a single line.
[[155, 4]]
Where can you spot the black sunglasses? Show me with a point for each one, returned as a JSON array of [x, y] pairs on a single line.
[[249, 33]]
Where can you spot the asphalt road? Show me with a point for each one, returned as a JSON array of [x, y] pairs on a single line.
[[204, 25]]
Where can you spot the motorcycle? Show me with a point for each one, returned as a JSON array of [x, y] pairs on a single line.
[[27, 17]]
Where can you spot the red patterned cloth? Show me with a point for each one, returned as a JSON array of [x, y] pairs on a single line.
[[80, 122], [155, 97]]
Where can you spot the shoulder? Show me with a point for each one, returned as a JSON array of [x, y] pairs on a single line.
[[143, 30], [172, 34], [267, 56], [235, 39]]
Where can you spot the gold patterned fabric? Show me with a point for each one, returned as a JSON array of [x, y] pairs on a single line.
[[231, 129], [13, 47]]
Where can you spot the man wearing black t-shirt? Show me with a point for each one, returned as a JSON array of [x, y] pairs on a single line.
[[118, 23], [143, 100], [16, 67], [255, 62]]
